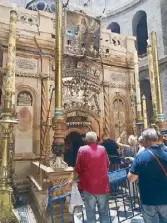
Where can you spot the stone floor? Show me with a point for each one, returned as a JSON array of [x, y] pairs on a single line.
[[25, 210], [124, 211], [27, 213]]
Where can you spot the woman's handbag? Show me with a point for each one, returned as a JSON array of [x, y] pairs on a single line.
[[76, 202]]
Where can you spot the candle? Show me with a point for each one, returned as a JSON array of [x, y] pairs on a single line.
[[144, 112], [137, 86], [148, 42]]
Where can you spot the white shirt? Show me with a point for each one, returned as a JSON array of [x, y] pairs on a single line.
[[141, 150]]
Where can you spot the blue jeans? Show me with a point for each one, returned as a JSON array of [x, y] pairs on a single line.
[[102, 202], [154, 214]]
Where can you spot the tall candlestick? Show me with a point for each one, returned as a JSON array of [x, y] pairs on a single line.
[[144, 112], [59, 125], [152, 82], [160, 115], [137, 85], [7, 213]]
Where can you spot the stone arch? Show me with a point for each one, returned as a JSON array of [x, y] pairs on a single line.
[[27, 109], [96, 124], [114, 27], [140, 30], [146, 90]]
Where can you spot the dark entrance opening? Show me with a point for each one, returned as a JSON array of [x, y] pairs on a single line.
[[73, 142], [140, 31]]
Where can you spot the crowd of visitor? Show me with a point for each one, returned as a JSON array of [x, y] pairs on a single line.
[[92, 160]]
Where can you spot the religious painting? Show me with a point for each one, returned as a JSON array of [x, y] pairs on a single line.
[[83, 31], [25, 119]]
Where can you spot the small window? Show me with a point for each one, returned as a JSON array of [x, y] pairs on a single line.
[[114, 27], [140, 30], [107, 51]]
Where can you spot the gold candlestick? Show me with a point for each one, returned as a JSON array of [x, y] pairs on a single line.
[[59, 124], [160, 115], [7, 213], [144, 112], [152, 82], [137, 85]]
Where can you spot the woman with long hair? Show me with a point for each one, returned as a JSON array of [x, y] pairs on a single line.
[[130, 149]]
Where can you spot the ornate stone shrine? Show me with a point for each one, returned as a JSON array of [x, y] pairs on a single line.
[[98, 85]]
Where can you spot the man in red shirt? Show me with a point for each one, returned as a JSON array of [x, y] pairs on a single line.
[[92, 170]]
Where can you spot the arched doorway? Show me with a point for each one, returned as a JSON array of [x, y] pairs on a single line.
[[73, 142], [146, 90], [114, 27], [140, 30]]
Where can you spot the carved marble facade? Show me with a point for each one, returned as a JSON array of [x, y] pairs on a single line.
[[97, 68]]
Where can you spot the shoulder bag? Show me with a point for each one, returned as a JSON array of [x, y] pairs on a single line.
[[162, 167]]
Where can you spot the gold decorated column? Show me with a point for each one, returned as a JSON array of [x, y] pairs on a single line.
[[152, 81], [160, 115], [7, 213], [144, 112], [59, 124], [137, 85]]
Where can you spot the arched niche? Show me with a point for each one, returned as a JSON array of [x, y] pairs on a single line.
[[146, 90], [27, 133], [114, 27], [140, 30]]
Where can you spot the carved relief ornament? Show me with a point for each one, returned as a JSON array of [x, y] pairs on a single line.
[[26, 65], [80, 93], [117, 77], [24, 98]]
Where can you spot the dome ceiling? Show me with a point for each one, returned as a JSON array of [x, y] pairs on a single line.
[[96, 6], [42, 5]]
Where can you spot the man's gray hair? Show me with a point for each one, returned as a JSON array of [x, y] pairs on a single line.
[[150, 134], [91, 137], [140, 139]]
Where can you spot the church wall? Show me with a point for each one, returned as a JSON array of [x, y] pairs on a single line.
[[164, 21], [163, 69], [125, 18], [156, 21]]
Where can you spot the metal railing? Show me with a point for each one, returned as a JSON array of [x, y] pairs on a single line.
[[124, 202]]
